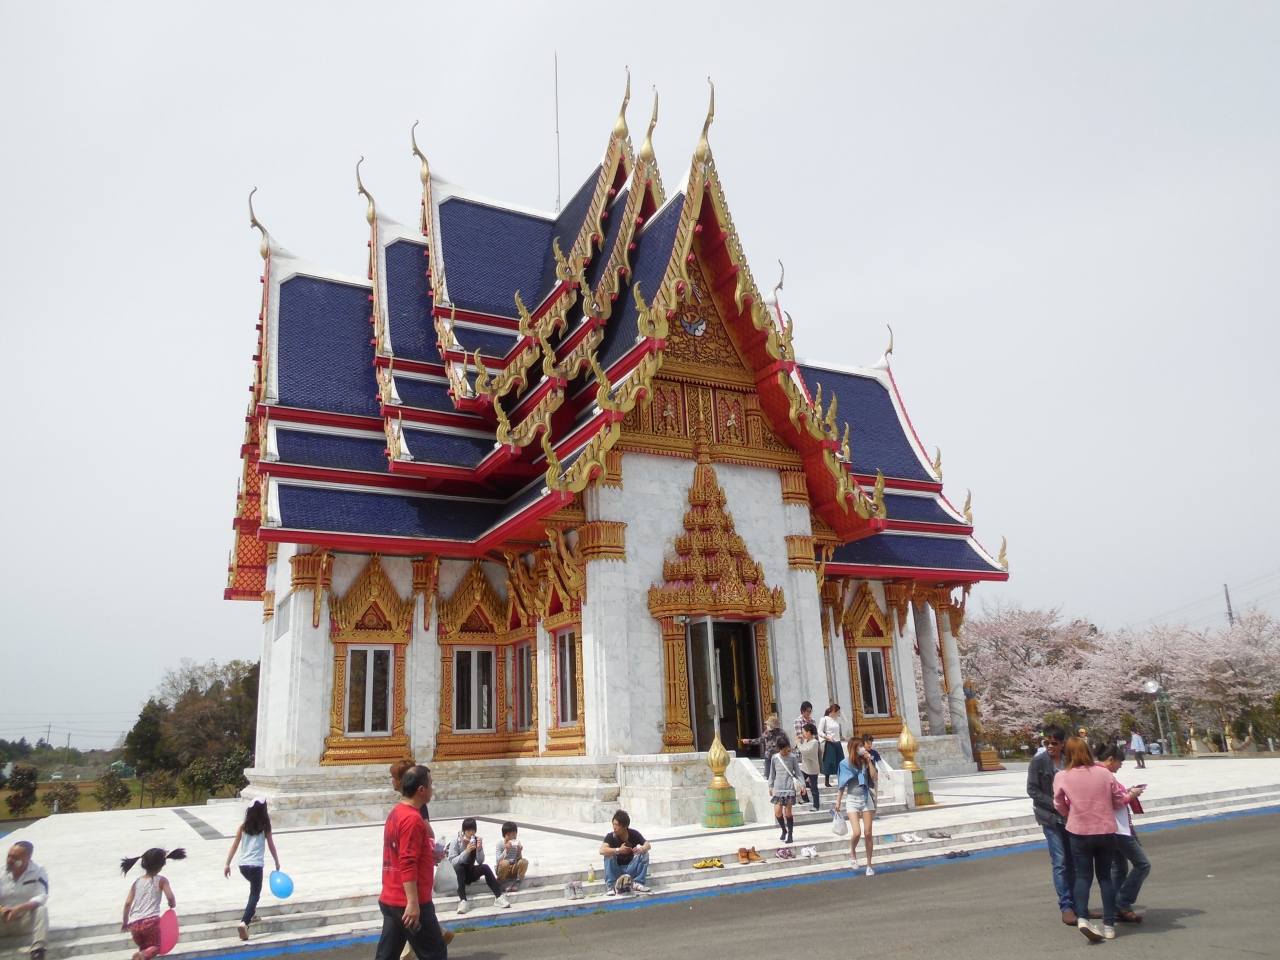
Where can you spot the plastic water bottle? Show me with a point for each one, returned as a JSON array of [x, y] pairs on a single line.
[[591, 873]]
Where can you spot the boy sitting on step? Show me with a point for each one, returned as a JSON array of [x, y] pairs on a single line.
[[466, 853], [511, 862]]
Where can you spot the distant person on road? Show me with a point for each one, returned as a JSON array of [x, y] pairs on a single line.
[[1130, 868], [768, 741], [1088, 796], [512, 865], [626, 857], [1138, 744], [857, 781], [786, 782], [253, 838], [409, 859], [142, 905], [832, 738], [1046, 764], [24, 899], [810, 751], [466, 853]]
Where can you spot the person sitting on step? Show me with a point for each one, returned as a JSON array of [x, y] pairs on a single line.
[[512, 865], [626, 857], [466, 853]]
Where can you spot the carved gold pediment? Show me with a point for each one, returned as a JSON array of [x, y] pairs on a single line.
[[371, 605], [864, 619], [475, 607]]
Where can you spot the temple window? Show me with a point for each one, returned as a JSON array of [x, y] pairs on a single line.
[[522, 685], [566, 674], [473, 689], [369, 672], [873, 685]]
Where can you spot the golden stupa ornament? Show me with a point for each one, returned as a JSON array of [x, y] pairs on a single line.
[[720, 809], [718, 761]]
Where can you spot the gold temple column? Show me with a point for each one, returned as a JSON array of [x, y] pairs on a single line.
[[678, 736]]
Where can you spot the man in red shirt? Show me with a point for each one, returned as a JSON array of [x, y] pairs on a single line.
[[408, 871]]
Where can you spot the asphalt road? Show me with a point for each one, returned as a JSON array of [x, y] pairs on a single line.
[[1212, 893]]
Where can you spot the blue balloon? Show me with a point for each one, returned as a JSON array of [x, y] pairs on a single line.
[[281, 884]]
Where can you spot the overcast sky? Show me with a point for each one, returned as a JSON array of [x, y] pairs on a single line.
[[1070, 214]]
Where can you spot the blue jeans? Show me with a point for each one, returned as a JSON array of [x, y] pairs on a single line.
[[254, 876], [1128, 883], [1064, 867], [1094, 854], [637, 869]]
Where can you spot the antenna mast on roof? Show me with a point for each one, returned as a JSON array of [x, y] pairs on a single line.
[[557, 69]]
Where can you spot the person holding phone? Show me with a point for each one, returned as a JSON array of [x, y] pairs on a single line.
[[626, 857], [1130, 866], [466, 853]]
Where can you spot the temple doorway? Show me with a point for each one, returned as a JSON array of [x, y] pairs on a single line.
[[730, 660]]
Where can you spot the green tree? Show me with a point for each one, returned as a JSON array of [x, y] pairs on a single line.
[[112, 790], [229, 771], [62, 797], [161, 787], [22, 790], [198, 779], [144, 747]]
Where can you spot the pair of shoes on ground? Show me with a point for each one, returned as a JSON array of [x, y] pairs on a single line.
[[502, 903], [809, 853], [911, 838], [1095, 934], [749, 855], [786, 853], [626, 885], [713, 862], [573, 890], [939, 835], [954, 854]]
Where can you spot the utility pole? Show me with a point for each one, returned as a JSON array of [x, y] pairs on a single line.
[[1231, 617], [556, 62], [66, 760]]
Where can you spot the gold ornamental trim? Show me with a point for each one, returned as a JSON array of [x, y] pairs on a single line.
[[612, 476], [371, 606], [314, 572], [603, 540], [800, 552], [268, 605], [795, 488]]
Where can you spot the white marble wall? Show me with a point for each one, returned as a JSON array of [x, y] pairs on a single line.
[[422, 682], [295, 684]]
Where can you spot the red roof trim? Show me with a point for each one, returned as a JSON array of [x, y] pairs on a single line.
[[930, 574], [916, 526], [319, 418]]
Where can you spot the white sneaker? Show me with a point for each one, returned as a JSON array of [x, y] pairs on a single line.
[[1092, 933], [853, 863], [463, 906], [640, 888], [501, 903], [1109, 933], [870, 872], [243, 931]]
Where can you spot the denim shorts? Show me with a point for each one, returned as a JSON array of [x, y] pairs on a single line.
[[859, 802]]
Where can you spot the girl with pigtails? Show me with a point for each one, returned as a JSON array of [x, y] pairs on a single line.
[[142, 906]]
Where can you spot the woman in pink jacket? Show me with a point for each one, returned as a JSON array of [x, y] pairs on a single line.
[[1088, 796]]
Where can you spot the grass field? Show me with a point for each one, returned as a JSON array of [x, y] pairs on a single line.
[[87, 803]]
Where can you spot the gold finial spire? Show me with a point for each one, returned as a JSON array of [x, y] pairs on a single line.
[[937, 461], [369, 213], [817, 399], [620, 127], [1003, 559], [646, 148], [778, 286], [425, 173], [844, 444], [703, 153], [831, 413], [968, 502], [264, 247]]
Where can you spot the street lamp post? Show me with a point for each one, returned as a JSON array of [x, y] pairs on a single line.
[[1158, 699]]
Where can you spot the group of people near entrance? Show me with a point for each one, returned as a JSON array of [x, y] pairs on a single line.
[[792, 772], [1087, 818]]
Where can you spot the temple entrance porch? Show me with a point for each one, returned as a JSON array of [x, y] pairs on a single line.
[[725, 684]]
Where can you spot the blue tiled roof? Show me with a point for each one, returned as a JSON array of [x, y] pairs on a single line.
[[429, 446], [566, 228], [324, 358], [490, 253], [394, 514], [424, 394], [612, 229], [413, 332], [334, 452], [648, 266], [490, 343], [918, 509], [896, 550], [877, 438]]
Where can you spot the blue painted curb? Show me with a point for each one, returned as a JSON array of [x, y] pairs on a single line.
[[634, 903]]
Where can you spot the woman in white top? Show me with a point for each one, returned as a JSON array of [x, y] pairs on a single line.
[[831, 735], [253, 837]]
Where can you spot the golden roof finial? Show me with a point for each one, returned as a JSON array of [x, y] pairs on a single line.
[[369, 213], [425, 174], [620, 127], [1003, 559], [646, 148], [968, 502], [937, 461], [844, 444], [831, 414], [778, 286], [703, 153], [264, 247], [817, 399], [877, 495]]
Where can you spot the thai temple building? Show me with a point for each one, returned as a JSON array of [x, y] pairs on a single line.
[[548, 502]]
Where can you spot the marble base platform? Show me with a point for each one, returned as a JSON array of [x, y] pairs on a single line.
[[937, 756]]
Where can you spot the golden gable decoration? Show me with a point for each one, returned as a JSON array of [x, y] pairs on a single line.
[[474, 595], [712, 574], [372, 604]]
